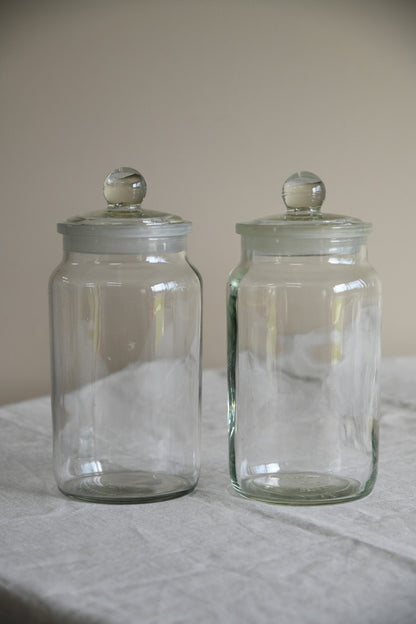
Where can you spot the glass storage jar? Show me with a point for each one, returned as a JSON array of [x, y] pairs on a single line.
[[125, 311], [304, 317]]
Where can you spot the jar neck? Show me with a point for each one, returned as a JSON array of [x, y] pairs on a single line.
[[354, 255], [77, 257], [109, 241]]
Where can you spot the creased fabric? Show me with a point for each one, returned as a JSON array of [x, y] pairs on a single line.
[[211, 556]]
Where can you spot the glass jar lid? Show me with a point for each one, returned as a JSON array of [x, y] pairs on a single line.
[[303, 228], [123, 225]]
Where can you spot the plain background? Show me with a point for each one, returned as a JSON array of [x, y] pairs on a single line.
[[216, 102]]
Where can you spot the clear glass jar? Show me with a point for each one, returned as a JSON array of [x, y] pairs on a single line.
[[304, 315], [125, 341]]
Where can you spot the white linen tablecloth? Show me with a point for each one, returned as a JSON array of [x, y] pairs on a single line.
[[211, 556]]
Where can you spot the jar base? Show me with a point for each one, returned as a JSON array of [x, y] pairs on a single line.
[[302, 488], [127, 487]]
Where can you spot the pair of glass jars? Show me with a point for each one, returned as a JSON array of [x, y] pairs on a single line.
[[303, 353]]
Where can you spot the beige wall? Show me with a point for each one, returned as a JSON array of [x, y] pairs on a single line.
[[216, 102]]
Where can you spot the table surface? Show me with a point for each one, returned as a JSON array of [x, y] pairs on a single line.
[[211, 556]]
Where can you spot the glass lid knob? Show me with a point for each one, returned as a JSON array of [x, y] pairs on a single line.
[[303, 193], [124, 187]]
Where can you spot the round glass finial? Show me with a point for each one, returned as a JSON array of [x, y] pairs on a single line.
[[124, 186], [303, 192]]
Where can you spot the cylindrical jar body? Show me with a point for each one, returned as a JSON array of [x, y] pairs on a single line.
[[125, 336], [303, 362]]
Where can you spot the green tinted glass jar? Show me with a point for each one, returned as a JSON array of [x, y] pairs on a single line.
[[304, 313]]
